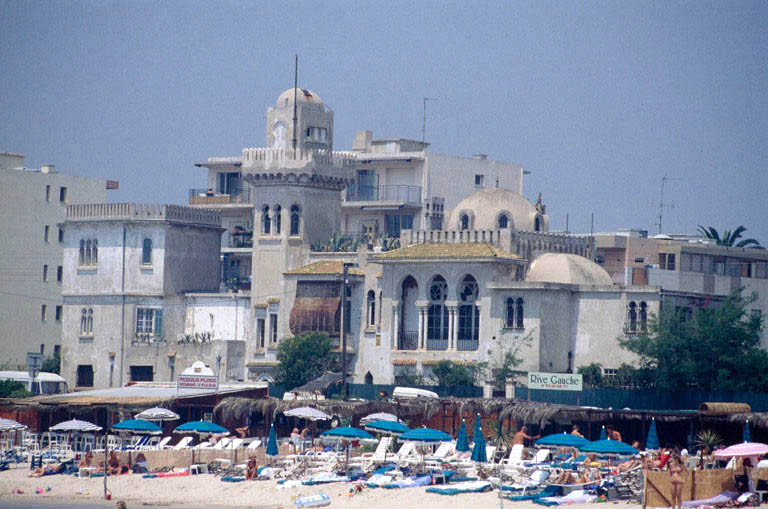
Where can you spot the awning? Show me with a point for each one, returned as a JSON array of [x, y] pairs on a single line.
[[316, 307]]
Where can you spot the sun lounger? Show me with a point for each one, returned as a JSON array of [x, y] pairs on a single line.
[[183, 444], [460, 487], [378, 455], [722, 498], [534, 481], [548, 491], [255, 443], [410, 482], [575, 497]]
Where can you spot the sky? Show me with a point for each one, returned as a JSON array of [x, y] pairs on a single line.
[[598, 100]]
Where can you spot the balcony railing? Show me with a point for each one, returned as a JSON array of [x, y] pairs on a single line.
[[409, 341], [240, 239], [467, 345], [437, 344], [397, 193], [210, 197]]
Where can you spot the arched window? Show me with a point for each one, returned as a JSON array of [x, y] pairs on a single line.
[[88, 252], [82, 252], [89, 322], [409, 316], [469, 315], [86, 322], [519, 313], [278, 135], [371, 307], [643, 316], [632, 316], [509, 313], [464, 221], [265, 221], [295, 220], [95, 252], [146, 252], [537, 224], [437, 315], [278, 210], [503, 221], [368, 378], [348, 310]]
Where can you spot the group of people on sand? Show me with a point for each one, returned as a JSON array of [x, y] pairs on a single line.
[[113, 465]]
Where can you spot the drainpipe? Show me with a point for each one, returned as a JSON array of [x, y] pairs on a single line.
[[122, 311]]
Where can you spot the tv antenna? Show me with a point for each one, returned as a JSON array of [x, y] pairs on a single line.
[[664, 181], [424, 119]]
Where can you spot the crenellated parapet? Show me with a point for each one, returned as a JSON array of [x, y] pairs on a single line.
[[311, 162], [142, 212], [527, 244]]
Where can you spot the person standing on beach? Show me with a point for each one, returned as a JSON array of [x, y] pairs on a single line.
[[676, 471], [521, 436]]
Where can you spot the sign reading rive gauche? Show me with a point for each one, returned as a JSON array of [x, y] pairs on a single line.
[[197, 382], [554, 381]]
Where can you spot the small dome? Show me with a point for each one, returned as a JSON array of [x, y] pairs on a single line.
[[302, 96], [487, 208], [567, 268]]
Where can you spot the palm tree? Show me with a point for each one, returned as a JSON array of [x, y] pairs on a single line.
[[729, 238]]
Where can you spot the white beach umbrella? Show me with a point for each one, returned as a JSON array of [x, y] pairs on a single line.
[[11, 425], [75, 425], [157, 414], [380, 416], [309, 413]]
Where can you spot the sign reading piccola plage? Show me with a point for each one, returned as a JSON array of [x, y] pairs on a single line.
[[554, 381]]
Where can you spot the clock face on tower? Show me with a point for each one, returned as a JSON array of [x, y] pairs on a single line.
[[278, 135]]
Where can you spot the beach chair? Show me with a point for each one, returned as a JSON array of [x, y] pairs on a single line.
[[222, 444], [183, 444], [444, 452], [255, 443], [235, 443], [162, 444], [490, 450], [378, 454], [406, 455]]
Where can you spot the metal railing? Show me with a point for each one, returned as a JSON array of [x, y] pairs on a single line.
[[437, 344], [397, 192], [409, 341], [467, 345], [202, 196], [241, 239]]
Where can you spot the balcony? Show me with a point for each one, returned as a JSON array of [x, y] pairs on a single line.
[[394, 194], [437, 344], [239, 239], [209, 197], [409, 341]]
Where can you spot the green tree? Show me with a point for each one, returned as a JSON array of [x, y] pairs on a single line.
[[52, 364], [304, 357], [409, 377], [718, 349], [729, 237], [13, 389], [592, 374], [452, 373]]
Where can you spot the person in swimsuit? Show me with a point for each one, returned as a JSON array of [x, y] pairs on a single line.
[[676, 471]]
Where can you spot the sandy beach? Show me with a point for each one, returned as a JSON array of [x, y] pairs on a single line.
[[209, 491]]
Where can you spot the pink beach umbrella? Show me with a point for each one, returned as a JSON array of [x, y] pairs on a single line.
[[743, 450]]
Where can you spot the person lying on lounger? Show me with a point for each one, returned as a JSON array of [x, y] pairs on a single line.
[[47, 470], [590, 475], [566, 477]]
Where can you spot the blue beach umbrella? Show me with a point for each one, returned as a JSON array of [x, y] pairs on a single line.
[[747, 435], [603, 434], [201, 427], [137, 426], [387, 427], [347, 432], [462, 442], [562, 440], [608, 447], [272, 442], [652, 442], [478, 451], [425, 436], [478, 426]]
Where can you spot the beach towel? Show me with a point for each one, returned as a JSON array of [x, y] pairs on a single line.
[[460, 487], [410, 482], [575, 497], [377, 480], [324, 478], [722, 498], [548, 491], [233, 478], [182, 473]]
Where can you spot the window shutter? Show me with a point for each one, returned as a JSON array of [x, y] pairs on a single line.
[[158, 322]]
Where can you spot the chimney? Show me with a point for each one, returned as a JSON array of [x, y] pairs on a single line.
[[363, 140], [47, 168]]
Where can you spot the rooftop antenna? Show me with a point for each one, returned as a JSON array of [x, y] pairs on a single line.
[[424, 119], [295, 86], [664, 180]]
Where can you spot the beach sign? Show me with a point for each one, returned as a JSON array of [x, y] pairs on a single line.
[[554, 381]]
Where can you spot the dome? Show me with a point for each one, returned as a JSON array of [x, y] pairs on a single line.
[[302, 96], [486, 207], [567, 268]]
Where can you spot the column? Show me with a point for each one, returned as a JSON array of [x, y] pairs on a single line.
[[422, 342], [395, 326], [455, 327], [452, 327]]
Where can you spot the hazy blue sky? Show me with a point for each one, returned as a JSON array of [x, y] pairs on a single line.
[[598, 100]]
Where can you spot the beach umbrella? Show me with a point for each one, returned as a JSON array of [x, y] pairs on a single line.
[[272, 442], [652, 442], [202, 428], [608, 447], [11, 425], [346, 433], [393, 428], [603, 434], [747, 435], [462, 442], [309, 413], [562, 440], [75, 425], [379, 416], [424, 437], [137, 426], [478, 451], [743, 450], [157, 414]]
